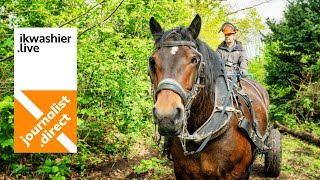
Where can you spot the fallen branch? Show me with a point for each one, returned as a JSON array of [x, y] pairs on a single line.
[[310, 137]]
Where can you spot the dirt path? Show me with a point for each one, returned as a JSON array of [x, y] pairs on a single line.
[[296, 156]]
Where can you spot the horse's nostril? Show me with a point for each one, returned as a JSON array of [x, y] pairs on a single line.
[[178, 115]]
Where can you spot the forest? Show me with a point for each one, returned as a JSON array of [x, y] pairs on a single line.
[[114, 117]]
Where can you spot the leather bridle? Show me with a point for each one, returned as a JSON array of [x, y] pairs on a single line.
[[187, 96], [173, 85]]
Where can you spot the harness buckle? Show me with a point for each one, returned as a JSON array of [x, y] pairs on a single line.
[[228, 109]]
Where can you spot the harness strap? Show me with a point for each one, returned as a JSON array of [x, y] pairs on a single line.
[[246, 127], [204, 143], [173, 85], [248, 102], [176, 43], [254, 157]]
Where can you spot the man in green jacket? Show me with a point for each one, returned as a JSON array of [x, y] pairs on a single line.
[[232, 51]]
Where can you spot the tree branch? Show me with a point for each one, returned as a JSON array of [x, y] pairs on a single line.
[[102, 21], [6, 58], [82, 14], [230, 13]]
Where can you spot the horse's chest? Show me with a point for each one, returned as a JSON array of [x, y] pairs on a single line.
[[202, 166], [195, 166], [221, 160]]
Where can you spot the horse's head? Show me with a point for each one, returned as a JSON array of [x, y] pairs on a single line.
[[174, 68]]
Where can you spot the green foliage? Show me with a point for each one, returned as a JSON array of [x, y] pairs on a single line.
[[6, 129], [297, 38], [19, 169], [306, 103], [256, 67], [155, 165], [56, 170], [292, 55]]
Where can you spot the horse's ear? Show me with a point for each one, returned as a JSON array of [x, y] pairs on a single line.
[[155, 27], [195, 27]]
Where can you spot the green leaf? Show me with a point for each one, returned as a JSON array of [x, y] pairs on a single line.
[[79, 121], [8, 142], [5, 156], [48, 163], [47, 169], [54, 169]]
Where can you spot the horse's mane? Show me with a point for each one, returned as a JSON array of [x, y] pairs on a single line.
[[213, 64]]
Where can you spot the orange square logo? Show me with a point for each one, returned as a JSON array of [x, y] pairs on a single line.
[[54, 130]]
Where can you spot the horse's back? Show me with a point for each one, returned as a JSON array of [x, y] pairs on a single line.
[[260, 90], [260, 101]]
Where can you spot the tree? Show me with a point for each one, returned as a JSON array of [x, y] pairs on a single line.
[[293, 59]]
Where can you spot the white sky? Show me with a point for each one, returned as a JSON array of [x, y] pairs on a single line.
[[272, 9]]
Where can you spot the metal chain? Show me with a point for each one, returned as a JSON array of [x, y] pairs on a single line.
[[194, 92]]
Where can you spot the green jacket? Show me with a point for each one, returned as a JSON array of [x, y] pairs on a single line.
[[235, 56]]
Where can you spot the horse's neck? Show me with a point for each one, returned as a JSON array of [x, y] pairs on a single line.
[[200, 111]]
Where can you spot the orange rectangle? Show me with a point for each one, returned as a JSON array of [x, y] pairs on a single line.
[[45, 90]]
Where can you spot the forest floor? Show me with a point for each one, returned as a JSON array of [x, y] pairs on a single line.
[[300, 160]]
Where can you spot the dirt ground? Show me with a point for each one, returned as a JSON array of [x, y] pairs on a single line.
[[124, 168]]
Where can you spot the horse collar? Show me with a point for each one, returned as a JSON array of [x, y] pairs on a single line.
[[218, 121]]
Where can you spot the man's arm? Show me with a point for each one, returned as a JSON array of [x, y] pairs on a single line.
[[219, 52], [243, 61]]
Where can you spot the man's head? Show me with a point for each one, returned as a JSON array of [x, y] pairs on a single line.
[[229, 30]]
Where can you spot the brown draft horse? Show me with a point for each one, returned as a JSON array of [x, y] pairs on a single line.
[[227, 156]]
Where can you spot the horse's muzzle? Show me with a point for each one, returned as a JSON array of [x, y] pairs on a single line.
[[169, 121], [170, 133]]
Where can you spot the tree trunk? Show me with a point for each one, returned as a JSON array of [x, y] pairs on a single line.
[[310, 137]]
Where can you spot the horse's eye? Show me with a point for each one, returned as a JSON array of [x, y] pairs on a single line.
[[195, 60], [151, 61], [151, 68]]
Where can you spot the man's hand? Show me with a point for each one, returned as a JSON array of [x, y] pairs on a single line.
[[243, 73]]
